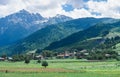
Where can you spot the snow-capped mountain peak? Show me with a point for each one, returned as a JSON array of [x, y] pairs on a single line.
[[22, 23]]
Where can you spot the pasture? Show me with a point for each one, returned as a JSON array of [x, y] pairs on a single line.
[[61, 68]]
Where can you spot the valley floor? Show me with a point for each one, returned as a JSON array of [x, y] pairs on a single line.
[[61, 68]]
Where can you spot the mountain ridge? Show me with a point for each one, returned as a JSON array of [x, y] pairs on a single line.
[[21, 24], [42, 38]]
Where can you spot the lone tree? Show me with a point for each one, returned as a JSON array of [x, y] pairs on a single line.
[[45, 64]]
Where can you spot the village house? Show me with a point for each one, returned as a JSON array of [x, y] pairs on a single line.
[[66, 54], [107, 55], [38, 57], [2, 59], [9, 58]]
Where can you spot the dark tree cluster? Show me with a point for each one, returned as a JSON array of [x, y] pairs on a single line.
[[110, 43], [102, 55], [18, 57]]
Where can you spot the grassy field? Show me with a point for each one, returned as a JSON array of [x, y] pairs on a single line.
[[61, 68]]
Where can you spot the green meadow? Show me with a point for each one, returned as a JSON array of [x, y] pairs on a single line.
[[61, 68]]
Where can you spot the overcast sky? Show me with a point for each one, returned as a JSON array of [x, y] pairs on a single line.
[[72, 8]]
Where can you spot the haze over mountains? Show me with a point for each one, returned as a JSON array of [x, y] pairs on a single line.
[[21, 24]]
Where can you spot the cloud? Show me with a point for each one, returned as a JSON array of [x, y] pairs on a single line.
[[76, 8], [4, 2], [46, 8], [78, 13], [107, 9], [10, 7]]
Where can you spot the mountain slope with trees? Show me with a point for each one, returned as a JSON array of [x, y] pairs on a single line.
[[98, 36], [21, 24], [51, 33]]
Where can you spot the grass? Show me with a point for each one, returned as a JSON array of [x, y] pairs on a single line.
[[58, 75], [60, 68]]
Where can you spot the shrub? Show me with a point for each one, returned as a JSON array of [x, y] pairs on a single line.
[[27, 61], [45, 64], [39, 61]]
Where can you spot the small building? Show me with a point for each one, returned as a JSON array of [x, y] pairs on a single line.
[[107, 55], [32, 53], [86, 54], [2, 59], [10, 59], [83, 51], [65, 55], [38, 57], [60, 56]]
